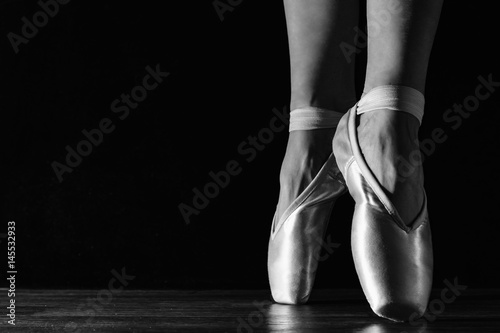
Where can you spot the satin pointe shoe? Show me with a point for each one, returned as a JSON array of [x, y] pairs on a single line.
[[297, 236], [394, 262]]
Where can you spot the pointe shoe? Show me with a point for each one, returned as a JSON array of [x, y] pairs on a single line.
[[297, 236], [394, 262]]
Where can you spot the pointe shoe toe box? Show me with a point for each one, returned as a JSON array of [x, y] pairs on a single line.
[[394, 266]]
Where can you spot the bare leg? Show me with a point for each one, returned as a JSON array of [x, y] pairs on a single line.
[[320, 76], [400, 38]]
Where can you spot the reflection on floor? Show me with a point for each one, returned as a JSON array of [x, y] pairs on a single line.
[[111, 310]]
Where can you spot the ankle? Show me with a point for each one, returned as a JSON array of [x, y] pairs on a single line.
[[306, 152]]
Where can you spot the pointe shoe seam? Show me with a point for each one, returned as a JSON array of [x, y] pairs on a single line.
[[303, 205], [422, 222], [348, 165], [308, 191], [340, 179], [297, 204]]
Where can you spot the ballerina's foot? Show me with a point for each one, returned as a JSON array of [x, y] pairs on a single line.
[[306, 152], [387, 139]]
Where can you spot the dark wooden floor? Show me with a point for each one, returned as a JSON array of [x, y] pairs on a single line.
[[235, 311]]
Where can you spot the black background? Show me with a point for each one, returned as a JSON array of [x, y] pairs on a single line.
[[119, 207]]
